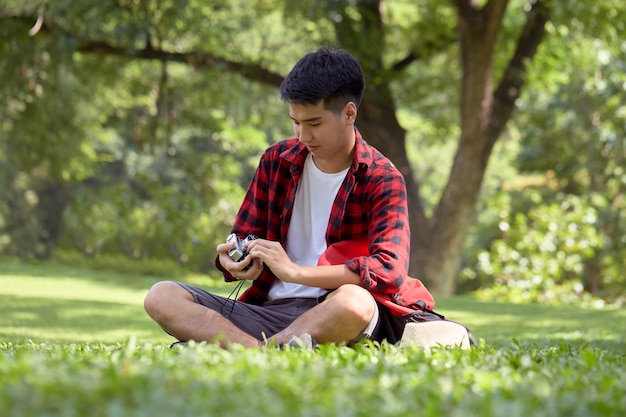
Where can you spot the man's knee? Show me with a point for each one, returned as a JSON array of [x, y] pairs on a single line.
[[354, 301], [163, 297]]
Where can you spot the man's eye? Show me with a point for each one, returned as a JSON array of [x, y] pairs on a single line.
[[315, 124]]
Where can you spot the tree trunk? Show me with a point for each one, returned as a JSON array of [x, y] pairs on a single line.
[[437, 243], [53, 199], [437, 252], [593, 278], [484, 113], [377, 115]]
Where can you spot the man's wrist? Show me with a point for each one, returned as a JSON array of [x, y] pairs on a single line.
[[296, 276]]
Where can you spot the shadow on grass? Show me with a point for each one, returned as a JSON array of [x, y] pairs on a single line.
[[500, 324], [66, 315], [66, 304], [113, 279], [66, 320]]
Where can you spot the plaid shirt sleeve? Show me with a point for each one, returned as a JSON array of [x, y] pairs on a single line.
[[377, 209], [262, 212], [373, 208]]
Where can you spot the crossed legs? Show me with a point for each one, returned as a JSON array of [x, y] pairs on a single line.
[[340, 318]]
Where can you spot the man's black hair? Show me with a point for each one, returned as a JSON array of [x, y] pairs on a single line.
[[331, 75]]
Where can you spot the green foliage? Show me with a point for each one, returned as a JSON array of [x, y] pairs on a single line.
[[92, 350], [560, 238], [163, 157], [590, 138], [92, 371], [541, 255], [143, 380], [154, 154]]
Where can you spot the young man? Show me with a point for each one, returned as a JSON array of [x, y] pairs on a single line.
[[324, 186]]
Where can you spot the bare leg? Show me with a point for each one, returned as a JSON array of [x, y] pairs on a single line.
[[176, 311], [340, 318]]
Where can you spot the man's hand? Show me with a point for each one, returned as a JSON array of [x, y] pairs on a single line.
[[238, 269], [274, 256]]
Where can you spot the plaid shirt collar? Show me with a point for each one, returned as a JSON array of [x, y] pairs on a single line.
[[363, 157]]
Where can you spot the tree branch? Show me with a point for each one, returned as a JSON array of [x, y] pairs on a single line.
[[465, 7], [514, 76], [39, 23], [196, 59], [436, 47]]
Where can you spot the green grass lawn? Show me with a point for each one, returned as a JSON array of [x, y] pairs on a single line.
[[76, 342]]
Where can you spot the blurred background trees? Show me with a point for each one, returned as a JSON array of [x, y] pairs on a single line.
[[130, 129]]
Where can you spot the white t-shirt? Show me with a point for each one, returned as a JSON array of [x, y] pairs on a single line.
[[306, 237]]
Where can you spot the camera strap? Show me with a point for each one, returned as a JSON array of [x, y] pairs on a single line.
[[232, 299]]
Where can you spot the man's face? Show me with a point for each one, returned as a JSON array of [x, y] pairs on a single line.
[[328, 136]]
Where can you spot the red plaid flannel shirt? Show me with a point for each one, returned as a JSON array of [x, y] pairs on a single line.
[[371, 204]]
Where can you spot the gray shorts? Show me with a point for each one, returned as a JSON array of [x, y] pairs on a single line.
[[269, 318]]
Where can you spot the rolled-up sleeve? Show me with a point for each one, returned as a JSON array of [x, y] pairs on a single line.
[[384, 270]]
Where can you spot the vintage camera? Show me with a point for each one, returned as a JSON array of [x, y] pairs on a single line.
[[239, 251]]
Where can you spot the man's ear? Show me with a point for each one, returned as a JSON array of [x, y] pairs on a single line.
[[350, 112]]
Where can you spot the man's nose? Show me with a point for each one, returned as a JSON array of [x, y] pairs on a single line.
[[304, 135]]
